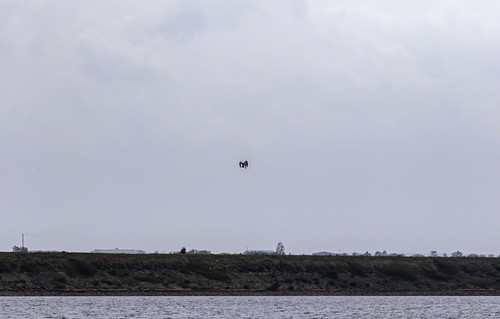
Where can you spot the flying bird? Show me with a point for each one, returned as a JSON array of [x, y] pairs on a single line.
[[244, 164]]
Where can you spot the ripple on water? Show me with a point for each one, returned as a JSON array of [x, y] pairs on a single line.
[[250, 307]]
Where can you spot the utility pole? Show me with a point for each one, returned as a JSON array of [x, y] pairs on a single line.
[[22, 246]]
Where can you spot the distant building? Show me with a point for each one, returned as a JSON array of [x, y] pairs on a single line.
[[259, 252], [118, 251], [199, 252], [44, 251], [324, 253]]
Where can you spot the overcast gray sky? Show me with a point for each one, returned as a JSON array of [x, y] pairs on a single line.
[[368, 125]]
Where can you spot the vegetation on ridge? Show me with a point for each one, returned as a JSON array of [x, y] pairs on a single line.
[[112, 274]]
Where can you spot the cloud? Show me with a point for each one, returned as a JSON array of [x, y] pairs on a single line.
[[352, 114]]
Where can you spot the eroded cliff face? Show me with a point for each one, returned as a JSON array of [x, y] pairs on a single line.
[[157, 274]]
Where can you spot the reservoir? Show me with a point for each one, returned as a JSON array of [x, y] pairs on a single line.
[[380, 307]]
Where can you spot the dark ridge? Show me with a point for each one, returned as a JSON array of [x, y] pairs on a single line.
[[176, 274]]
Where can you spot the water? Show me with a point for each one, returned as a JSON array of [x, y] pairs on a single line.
[[249, 307]]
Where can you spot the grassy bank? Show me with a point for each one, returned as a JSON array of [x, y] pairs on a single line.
[[107, 274]]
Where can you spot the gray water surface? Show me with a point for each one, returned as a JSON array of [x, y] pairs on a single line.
[[249, 307]]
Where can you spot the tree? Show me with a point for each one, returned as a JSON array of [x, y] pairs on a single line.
[[280, 249], [20, 249], [183, 250]]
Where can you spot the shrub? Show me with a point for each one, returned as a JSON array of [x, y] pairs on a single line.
[[208, 273], [80, 267], [214, 275], [435, 275], [331, 274], [447, 267], [29, 266], [4, 267], [357, 270], [274, 287], [150, 278], [59, 282], [400, 271], [483, 283]]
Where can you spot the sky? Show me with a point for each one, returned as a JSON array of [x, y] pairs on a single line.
[[368, 125]]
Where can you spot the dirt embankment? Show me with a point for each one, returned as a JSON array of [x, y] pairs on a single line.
[[156, 274]]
